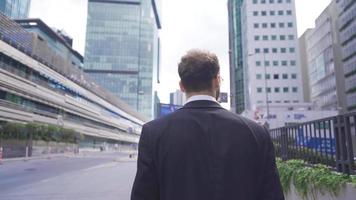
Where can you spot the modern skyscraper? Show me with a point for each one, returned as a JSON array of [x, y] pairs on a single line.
[[347, 30], [122, 49], [15, 9], [237, 89], [271, 73], [326, 74]]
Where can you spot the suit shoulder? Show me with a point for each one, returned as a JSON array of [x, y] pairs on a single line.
[[162, 120], [258, 130]]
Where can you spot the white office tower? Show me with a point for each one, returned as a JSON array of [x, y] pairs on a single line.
[[177, 98], [272, 73]]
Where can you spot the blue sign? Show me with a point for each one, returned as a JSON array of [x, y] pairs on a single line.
[[165, 109], [326, 145]]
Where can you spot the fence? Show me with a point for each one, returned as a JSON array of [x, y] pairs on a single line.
[[330, 141]]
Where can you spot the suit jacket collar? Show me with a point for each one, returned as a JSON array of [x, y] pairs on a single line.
[[202, 104]]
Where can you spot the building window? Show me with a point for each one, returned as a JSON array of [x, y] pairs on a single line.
[[257, 50], [276, 76], [295, 89], [274, 50], [271, 1], [281, 25], [289, 12], [272, 12], [285, 89], [289, 1], [273, 25], [263, 1], [269, 90], [265, 50], [263, 13], [291, 50], [275, 63], [258, 76], [259, 90], [276, 90], [290, 24], [265, 37], [264, 25], [274, 37], [283, 50], [294, 76], [282, 37], [268, 76], [284, 63], [267, 63], [257, 37], [255, 13], [285, 76], [280, 1], [280, 12], [258, 63], [254, 1], [256, 25], [293, 63], [291, 37]]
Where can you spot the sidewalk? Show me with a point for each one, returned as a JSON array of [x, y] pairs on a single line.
[[82, 154], [49, 156]]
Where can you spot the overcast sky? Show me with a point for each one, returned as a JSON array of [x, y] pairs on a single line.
[[187, 24]]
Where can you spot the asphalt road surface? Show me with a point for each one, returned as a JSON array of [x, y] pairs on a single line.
[[99, 176]]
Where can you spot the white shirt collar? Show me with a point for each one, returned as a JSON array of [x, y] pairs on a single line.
[[201, 97]]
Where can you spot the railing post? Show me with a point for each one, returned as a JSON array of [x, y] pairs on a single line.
[[344, 154], [284, 144], [349, 146]]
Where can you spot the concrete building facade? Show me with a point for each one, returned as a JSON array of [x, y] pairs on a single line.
[[304, 64], [15, 9], [39, 85], [326, 74], [347, 30], [272, 73]]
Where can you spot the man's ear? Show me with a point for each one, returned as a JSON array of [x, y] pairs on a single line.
[[217, 82], [181, 86]]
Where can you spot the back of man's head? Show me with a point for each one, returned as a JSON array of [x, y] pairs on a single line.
[[197, 69]]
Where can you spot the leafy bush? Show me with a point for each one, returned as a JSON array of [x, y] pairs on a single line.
[[310, 180], [38, 131]]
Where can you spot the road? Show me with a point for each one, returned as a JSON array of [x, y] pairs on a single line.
[[96, 176]]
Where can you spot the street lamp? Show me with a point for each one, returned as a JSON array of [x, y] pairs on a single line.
[[266, 82]]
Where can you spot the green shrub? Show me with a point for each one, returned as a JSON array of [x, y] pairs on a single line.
[[38, 131], [310, 180]]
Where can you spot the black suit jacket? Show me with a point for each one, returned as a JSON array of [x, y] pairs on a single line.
[[204, 152]]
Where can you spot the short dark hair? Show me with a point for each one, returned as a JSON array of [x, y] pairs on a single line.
[[197, 69]]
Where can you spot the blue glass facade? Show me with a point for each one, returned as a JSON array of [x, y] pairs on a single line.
[[237, 89], [15, 9], [122, 49]]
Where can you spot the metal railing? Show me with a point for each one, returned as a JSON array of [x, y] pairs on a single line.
[[329, 141]]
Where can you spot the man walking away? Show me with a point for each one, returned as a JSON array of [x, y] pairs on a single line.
[[202, 151]]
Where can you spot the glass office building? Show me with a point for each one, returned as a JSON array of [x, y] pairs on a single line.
[[122, 49], [237, 89], [15, 9]]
